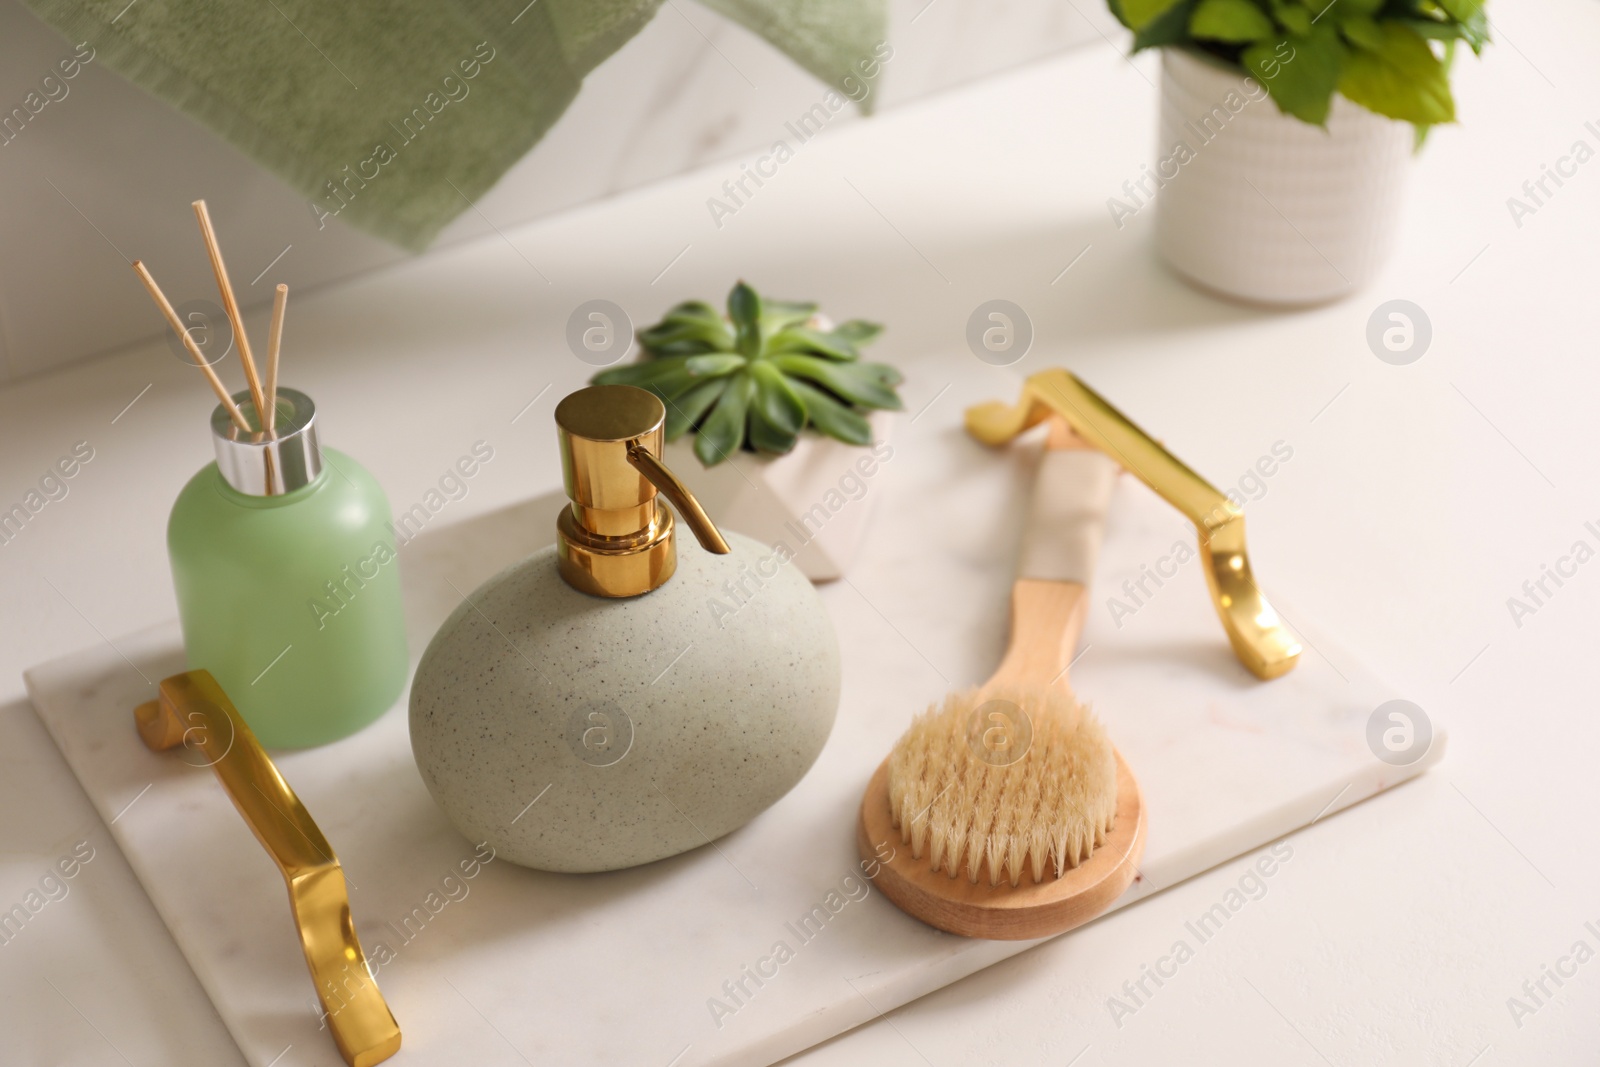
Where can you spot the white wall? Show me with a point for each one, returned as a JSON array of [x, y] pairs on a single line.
[[106, 173]]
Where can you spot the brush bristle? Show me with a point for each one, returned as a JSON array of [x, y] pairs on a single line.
[[973, 790]]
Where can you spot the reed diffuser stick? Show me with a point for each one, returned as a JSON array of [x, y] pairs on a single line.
[[188, 342], [230, 304], [280, 300]]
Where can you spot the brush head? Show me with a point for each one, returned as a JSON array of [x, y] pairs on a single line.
[[1018, 782]]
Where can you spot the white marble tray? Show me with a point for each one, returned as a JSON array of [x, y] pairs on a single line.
[[516, 966]]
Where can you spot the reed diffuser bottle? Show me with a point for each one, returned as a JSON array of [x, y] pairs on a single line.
[[610, 700], [287, 581], [282, 553]]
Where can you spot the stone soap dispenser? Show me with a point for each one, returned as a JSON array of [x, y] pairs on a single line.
[[609, 701]]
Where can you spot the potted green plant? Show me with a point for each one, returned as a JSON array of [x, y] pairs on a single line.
[[1287, 130], [788, 424]]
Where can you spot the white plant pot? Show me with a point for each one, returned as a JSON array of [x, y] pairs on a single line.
[[815, 500], [1258, 205]]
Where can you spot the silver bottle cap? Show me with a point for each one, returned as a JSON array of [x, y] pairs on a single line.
[[261, 465]]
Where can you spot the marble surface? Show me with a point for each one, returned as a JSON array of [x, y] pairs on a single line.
[[645, 965]]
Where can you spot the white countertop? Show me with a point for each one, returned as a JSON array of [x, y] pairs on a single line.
[[1418, 500]]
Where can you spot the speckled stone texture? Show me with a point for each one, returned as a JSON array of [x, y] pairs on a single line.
[[575, 733]]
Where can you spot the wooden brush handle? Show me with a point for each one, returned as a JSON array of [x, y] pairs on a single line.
[[1067, 517], [1060, 546]]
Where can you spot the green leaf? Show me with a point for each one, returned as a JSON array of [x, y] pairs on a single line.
[[700, 363], [685, 347], [691, 310], [1401, 78], [884, 373], [830, 417], [1463, 10], [802, 339], [1295, 19], [627, 374], [1171, 27], [668, 385], [1343, 9], [722, 433], [744, 309], [777, 314], [1234, 21], [778, 415], [858, 331], [1362, 31], [1137, 14], [1300, 73], [857, 383], [714, 364], [686, 410], [1474, 32], [692, 325], [641, 373]]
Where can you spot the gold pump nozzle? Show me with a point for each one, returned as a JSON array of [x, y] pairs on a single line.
[[615, 539]]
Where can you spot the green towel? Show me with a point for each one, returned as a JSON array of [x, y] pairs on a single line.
[[396, 117]]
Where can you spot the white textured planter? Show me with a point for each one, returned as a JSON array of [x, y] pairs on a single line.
[[1260, 206], [816, 500]]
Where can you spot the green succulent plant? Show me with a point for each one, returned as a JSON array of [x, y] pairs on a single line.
[[757, 378], [1378, 53]]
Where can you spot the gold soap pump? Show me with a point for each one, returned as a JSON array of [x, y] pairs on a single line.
[[615, 539], [643, 726]]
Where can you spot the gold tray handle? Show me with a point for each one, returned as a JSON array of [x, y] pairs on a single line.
[[1259, 638], [195, 712]]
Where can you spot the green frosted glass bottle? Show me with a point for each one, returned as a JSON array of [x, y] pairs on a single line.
[[288, 586]]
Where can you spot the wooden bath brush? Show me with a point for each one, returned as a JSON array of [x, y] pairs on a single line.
[[1004, 812]]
